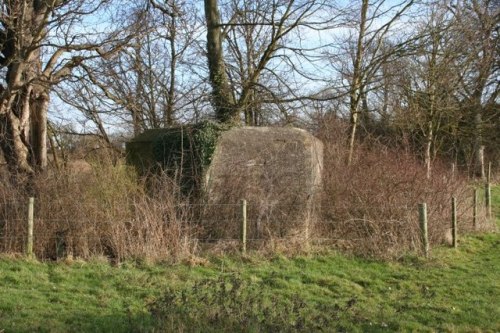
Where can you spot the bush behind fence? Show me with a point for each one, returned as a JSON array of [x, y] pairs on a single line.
[[143, 227], [369, 208]]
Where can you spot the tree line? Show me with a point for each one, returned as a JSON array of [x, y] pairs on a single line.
[[420, 75]]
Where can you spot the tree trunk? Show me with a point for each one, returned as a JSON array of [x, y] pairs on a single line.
[[13, 145], [39, 107], [478, 109], [478, 143], [24, 99], [222, 98], [23, 128], [428, 149], [366, 119], [356, 83], [354, 120], [169, 112]]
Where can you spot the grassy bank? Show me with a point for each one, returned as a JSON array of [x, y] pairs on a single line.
[[455, 290]]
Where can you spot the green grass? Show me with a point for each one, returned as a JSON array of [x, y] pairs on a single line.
[[456, 290]]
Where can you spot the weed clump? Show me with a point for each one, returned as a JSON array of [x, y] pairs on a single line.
[[232, 303]]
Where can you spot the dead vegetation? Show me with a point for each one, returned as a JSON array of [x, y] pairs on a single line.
[[368, 208], [106, 212]]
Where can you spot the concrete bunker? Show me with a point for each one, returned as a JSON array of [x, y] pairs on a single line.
[[276, 170]]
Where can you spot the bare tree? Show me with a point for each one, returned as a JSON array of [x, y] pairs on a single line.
[[247, 52], [429, 82], [366, 47], [40, 44], [425, 90], [144, 84], [450, 82], [478, 24]]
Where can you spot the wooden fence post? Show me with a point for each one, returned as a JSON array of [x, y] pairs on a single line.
[[422, 213], [29, 243], [488, 175], [454, 222], [487, 197], [243, 226], [474, 209]]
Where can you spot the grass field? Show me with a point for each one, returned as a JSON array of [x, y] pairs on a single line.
[[456, 290]]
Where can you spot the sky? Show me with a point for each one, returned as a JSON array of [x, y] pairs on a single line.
[[317, 65]]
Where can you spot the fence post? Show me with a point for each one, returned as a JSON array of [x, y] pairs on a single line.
[[488, 191], [422, 213], [489, 172], [487, 197], [454, 222], [243, 226], [474, 209], [29, 243]]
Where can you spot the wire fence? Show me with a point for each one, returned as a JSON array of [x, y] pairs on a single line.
[[53, 230]]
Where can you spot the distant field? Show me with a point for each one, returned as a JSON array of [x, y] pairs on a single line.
[[453, 291]]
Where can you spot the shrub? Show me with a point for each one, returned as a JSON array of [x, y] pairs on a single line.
[[182, 152], [370, 207], [102, 212]]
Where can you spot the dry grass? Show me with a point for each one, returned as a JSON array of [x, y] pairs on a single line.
[[103, 212]]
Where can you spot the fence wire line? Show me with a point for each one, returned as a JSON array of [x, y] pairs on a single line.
[[237, 219], [67, 232], [23, 204], [270, 211], [208, 240]]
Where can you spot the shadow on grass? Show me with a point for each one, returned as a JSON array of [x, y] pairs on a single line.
[[86, 322]]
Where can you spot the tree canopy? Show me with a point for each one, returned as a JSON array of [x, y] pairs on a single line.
[[422, 75]]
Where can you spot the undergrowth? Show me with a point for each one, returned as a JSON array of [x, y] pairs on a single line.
[[105, 211], [368, 208]]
